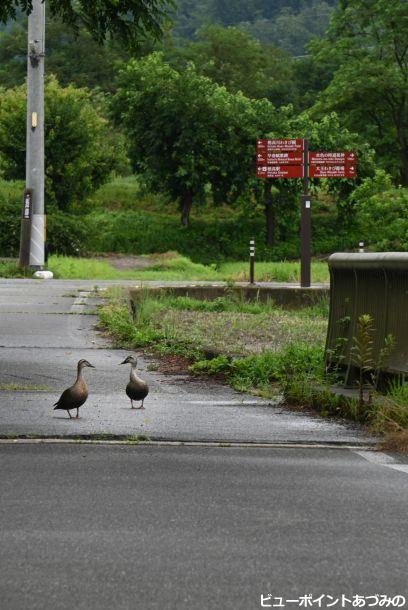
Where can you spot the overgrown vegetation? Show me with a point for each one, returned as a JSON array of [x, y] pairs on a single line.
[[263, 349], [167, 267]]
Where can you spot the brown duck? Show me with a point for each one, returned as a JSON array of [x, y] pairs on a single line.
[[136, 389], [75, 396]]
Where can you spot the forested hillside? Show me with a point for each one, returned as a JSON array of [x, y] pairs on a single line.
[[288, 24]]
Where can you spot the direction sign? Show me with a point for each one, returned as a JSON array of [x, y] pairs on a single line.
[[279, 158], [333, 171], [279, 171], [280, 145], [336, 158]]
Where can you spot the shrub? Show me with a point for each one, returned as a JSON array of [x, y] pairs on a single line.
[[382, 213], [81, 150]]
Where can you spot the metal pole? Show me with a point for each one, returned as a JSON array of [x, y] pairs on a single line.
[[305, 223], [35, 130], [252, 261]]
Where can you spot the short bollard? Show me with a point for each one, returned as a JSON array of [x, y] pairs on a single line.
[[361, 246], [252, 261]]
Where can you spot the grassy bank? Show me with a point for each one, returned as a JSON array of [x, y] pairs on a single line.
[[257, 348], [122, 218], [171, 266]]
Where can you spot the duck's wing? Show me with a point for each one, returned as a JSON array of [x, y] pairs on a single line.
[[72, 397]]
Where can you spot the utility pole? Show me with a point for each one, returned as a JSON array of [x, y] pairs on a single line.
[[32, 253]]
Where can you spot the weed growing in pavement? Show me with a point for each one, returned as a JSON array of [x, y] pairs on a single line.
[[17, 387]]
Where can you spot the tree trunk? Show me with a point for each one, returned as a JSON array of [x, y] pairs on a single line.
[[404, 167], [186, 205], [401, 131], [269, 215]]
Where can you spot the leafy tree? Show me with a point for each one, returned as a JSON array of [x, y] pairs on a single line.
[[229, 55], [369, 41], [382, 213], [127, 19], [80, 149], [291, 29], [74, 58], [188, 136]]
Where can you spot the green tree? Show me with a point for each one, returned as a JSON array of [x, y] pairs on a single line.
[[229, 55], [369, 41], [80, 149], [128, 19], [293, 27], [382, 212], [74, 58], [188, 136]]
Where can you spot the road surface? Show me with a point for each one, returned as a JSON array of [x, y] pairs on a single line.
[[130, 527]]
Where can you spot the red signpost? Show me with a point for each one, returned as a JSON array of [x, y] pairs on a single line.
[[279, 171], [333, 171], [280, 145], [335, 158], [279, 158], [290, 158]]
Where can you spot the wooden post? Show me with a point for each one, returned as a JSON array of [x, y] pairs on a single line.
[[305, 223]]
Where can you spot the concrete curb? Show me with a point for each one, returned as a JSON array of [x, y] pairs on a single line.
[[169, 443]]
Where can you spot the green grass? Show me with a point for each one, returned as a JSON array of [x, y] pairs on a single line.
[[17, 387], [168, 267], [173, 267], [125, 193], [285, 271], [9, 268]]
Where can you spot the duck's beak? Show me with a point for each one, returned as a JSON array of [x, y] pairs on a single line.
[[91, 365], [124, 362]]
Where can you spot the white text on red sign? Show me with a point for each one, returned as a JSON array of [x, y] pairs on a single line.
[[333, 171], [316, 158], [279, 158], [280, 145], [279, 171]]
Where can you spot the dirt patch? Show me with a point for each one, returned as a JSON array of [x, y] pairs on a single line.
[[170, 364], [125, 262], [396, 442]]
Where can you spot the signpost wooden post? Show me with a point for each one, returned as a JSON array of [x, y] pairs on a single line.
[[287, 158], [305, 223]]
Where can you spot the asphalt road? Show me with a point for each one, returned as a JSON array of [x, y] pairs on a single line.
[[44, 332], [98, 527]]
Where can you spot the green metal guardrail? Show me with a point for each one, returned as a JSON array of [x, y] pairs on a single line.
[[374, 284]]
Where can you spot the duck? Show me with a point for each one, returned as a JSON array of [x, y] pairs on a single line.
[[75, 396], [136, 389]]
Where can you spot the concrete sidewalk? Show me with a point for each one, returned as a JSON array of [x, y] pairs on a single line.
[[41, 342]]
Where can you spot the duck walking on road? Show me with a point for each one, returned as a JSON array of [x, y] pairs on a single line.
[[75, 396], [136, 389]]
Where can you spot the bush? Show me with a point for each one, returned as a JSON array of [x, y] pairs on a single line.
[[81, 150], [382, 213], [66, 234]]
